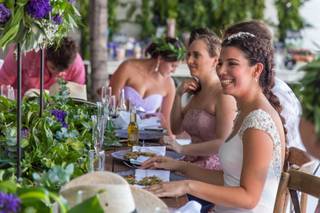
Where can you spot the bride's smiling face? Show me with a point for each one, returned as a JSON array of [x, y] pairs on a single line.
[[235, 72]]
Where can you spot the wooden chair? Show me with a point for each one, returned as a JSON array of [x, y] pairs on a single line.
[[299, 160], [294, 181]]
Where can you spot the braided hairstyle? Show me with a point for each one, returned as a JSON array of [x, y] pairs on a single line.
[[154, 50], [212, 41], [258, 50]]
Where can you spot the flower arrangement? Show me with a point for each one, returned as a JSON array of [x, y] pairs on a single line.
[[36, 23], [62, 136]]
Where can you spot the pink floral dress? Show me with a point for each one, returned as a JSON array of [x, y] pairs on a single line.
[[200, 125]]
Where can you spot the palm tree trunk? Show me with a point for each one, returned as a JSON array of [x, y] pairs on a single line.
[[98, 44]]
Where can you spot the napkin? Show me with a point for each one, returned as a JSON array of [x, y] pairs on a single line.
[[190, 207], [183, 141], [158, 150], [122, 121]]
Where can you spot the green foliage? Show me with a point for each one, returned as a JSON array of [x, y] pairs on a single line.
[[37, 33], [54, 178], [192, 14], [144, 19], [113, 23], [163, 46], [39, 199], [46, 141], [308, 93], [289, 17], [90, 205]]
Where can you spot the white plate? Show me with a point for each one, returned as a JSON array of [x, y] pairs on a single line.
[[121, 153]]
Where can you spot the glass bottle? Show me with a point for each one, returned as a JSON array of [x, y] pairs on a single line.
[[133, 130]]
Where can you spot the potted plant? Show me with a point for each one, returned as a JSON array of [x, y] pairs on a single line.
[[308, 93]]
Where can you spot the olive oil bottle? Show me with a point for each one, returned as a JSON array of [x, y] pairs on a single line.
[[133, 129]]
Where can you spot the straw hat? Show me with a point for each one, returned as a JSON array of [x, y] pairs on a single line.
[[119, 195]]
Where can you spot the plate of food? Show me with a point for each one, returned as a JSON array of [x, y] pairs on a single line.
[[137, 157], [149, 177], [146, 181], [133, 157]]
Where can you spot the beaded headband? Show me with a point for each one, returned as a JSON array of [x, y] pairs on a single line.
[[240, 35]]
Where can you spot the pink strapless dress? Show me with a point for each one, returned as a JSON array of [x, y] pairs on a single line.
[[200, 125]]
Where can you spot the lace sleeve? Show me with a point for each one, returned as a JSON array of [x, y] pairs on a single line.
[[261, 120]]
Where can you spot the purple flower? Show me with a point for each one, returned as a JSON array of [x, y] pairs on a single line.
[[9, 203], [57, 19], [60, 116], [39, 9], [4, 14], [72, 1], [24, 132]]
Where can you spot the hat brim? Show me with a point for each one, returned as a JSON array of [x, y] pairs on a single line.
[[145, 201]]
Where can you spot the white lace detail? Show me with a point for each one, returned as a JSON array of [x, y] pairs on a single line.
[[261, 120]]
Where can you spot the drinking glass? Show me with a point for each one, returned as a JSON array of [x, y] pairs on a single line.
[[96, 160], [104, 94], [113, 106]]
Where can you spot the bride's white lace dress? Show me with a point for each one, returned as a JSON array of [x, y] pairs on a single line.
[[231, 156]]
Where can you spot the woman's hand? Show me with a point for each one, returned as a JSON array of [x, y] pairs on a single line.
[[171, 143], [161, 162], [170, 189], [189, 85]]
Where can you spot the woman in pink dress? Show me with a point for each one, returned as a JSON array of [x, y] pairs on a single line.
[[209, 114]]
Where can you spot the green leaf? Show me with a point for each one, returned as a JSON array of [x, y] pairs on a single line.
[[90, 205], [8, 187]]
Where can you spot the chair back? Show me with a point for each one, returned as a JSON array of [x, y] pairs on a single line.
[[294, 181], [300, 160]]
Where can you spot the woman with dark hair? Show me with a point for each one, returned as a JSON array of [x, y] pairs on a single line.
[[60, 61], [146, 82], [252, 156]]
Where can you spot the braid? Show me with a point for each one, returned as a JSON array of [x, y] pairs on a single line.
[[212, 41]]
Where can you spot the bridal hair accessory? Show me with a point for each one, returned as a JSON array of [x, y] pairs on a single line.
[[165, 46], [240, 35]]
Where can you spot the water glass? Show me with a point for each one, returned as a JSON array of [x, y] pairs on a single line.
[[98, 129], [113, 106], [104, 94], [96, 160], [7, 91]]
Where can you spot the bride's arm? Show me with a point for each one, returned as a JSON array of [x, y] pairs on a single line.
[[257, 155]]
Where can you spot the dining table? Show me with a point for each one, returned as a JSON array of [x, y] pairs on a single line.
[[118, 166]]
